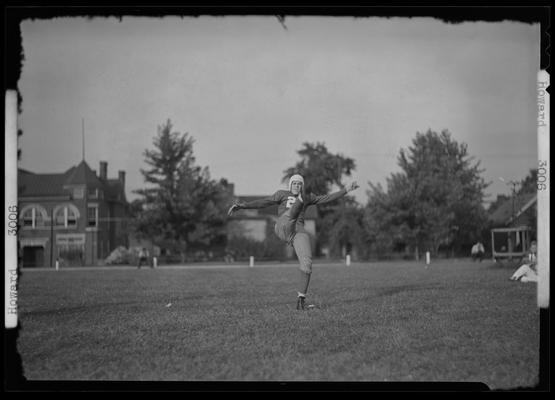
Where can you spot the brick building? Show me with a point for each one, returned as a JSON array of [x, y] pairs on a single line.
[[76, 216]]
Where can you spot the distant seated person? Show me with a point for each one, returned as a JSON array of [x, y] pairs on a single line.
[[477, 252], [532, 254], [525, 273], [528, 272], [229, 256]]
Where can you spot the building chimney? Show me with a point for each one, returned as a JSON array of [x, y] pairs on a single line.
[[103, 170], [121, 176]]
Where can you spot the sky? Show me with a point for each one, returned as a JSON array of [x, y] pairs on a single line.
[[251, 91]]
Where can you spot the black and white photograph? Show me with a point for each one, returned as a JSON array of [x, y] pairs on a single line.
[[277, 199]]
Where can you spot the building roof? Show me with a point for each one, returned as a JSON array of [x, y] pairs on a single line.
[[503, 215], [36, 185], [82, 175], [53, 185], [310, 213]]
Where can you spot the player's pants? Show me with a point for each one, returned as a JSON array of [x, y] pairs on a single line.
[[301, 244], [294, 234]]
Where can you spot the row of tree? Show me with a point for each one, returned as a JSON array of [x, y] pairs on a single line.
[[436, 200]]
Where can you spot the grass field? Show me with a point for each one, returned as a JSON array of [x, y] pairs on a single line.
[[455, 321]]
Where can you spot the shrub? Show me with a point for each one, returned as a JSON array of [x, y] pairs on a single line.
[[123, 256]]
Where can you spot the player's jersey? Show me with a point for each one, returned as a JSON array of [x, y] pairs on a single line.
[[285, 199]]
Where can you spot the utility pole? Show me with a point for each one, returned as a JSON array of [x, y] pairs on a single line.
[[514, 184]]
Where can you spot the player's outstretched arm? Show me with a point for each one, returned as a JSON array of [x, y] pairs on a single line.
[[262, 203], [326, 198]]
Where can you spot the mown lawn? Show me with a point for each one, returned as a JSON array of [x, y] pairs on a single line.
[[375, 322]]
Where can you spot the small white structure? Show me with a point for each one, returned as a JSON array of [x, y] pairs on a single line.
[[510, 243]]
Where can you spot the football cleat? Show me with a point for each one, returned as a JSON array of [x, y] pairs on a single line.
[[301, 304]]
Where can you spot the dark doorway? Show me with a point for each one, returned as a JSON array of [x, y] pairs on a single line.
[[33, 256]]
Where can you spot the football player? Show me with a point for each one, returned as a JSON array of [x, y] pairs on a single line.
[[289, 227]]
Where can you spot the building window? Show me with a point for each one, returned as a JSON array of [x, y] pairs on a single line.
[[92, 215], [93, 193], [78, 192], [66, 216], [33, 216], [29, 218]]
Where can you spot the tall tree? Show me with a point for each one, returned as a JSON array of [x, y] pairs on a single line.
[[530, 183], [320, 168], [387, 218], [345, 229], [436, 200], [181, 206]]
